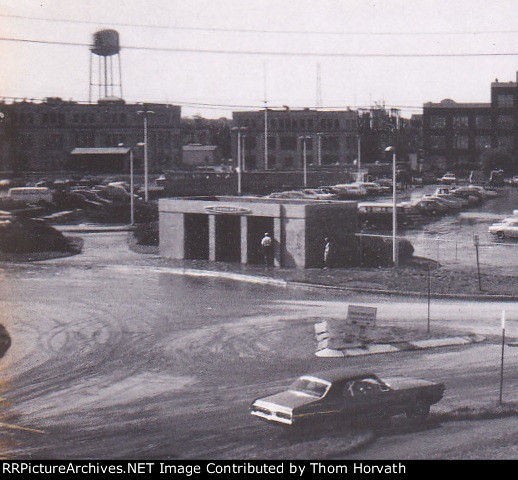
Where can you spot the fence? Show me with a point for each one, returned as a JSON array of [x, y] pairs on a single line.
[[492, 252]]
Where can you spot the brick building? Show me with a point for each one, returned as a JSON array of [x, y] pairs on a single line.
[[455, 135], [41, 136], [332, 138]]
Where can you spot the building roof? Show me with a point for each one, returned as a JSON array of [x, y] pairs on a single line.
[[503, 84], [194, 147], [101, 151], [447, 103]]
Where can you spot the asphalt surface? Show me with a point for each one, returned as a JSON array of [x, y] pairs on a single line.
[[110, 359]]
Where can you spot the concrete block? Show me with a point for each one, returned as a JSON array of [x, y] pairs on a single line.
[[321, 327], [329, 353]]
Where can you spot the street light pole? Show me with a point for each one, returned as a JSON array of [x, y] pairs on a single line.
[[132, 189], [395, 258], [305, 166], [359, 158], [146, 163], [239, 179]]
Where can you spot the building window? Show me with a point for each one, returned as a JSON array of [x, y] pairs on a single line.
[[26, 141], [329, 143], [460, 121], [251, 162], [288, 162], [482, 142], [309, 144], [250, 142], [460, 142], [483, 121], [289, 143], [272, 161], [505, 122], [437, 142], [437, 121], [329, 159], [272, 143], [505, 100], [505, 142]]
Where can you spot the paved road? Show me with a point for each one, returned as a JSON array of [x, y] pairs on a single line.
[[113, 360]]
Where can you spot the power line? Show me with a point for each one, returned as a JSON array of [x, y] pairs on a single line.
[[270, 53], [224, 106], [262, 31]]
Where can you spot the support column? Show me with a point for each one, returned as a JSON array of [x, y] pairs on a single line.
[[244, 239], [278, 241], [212, 238]]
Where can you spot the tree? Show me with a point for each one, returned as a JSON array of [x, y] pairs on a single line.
[[495, 159]]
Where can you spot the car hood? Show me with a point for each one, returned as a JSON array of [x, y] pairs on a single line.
[[402, 383], [288, 399]]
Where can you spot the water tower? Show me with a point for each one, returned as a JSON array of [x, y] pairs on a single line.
[[105, 47]]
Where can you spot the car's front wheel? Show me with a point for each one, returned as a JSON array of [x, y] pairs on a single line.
[[419, 411], [500, 235]]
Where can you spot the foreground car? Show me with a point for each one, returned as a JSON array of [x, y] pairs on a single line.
[[506, 228], [338, 394]]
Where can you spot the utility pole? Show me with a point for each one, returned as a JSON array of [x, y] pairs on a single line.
[[146, 112]]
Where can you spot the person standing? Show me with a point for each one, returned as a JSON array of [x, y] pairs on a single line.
[[267, 248], [327, 253]]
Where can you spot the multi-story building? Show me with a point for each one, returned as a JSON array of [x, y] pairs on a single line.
[[41, 136], [456, 135], [330, 138]]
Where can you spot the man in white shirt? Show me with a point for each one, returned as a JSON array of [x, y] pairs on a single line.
[[267, 248]]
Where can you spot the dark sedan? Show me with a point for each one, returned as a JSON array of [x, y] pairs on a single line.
[[337, 394]]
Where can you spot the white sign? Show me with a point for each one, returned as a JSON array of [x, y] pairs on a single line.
[[363, 316]]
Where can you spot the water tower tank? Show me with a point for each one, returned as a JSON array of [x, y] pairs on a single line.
[[105, 43]]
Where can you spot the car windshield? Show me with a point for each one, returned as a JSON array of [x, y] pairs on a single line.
[[310, 386]]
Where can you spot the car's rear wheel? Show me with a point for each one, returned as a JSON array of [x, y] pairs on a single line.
[[419, 411], [500, 235]]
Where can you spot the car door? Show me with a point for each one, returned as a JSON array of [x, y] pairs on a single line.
[[368, 397]]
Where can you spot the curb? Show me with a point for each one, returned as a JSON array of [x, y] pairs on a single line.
[[92, 228], [193, 272], [287, 283], [388, 348], [376, 291]]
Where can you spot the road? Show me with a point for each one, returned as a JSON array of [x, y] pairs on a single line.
[[110, 359]]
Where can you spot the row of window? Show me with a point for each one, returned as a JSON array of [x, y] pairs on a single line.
[[504, 122], [301, 123], [158, 142], [291, 142], [54, 118], [481, 142]]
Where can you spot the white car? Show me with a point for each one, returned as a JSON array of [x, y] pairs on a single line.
[[505, 229], [448, 178]]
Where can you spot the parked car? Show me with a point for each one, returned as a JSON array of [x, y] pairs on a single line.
[[514, 181], [292, 194], [448, 179], [372, 188], [350, 190], [505, 228], [31, 195], [340, 394], [320, 194]]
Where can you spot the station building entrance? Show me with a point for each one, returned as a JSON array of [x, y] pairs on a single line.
[[230, 229]]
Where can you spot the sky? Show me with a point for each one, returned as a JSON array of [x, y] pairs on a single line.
[[230, 82]]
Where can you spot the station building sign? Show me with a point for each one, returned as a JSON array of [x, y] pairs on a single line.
[[361, 316], [227, 210]]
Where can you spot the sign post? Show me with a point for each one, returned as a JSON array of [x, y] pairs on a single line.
[[476, 242], [361, 318], [429, 296], [502, 361]]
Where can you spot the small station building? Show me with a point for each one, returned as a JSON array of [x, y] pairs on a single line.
[[230, 229]]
